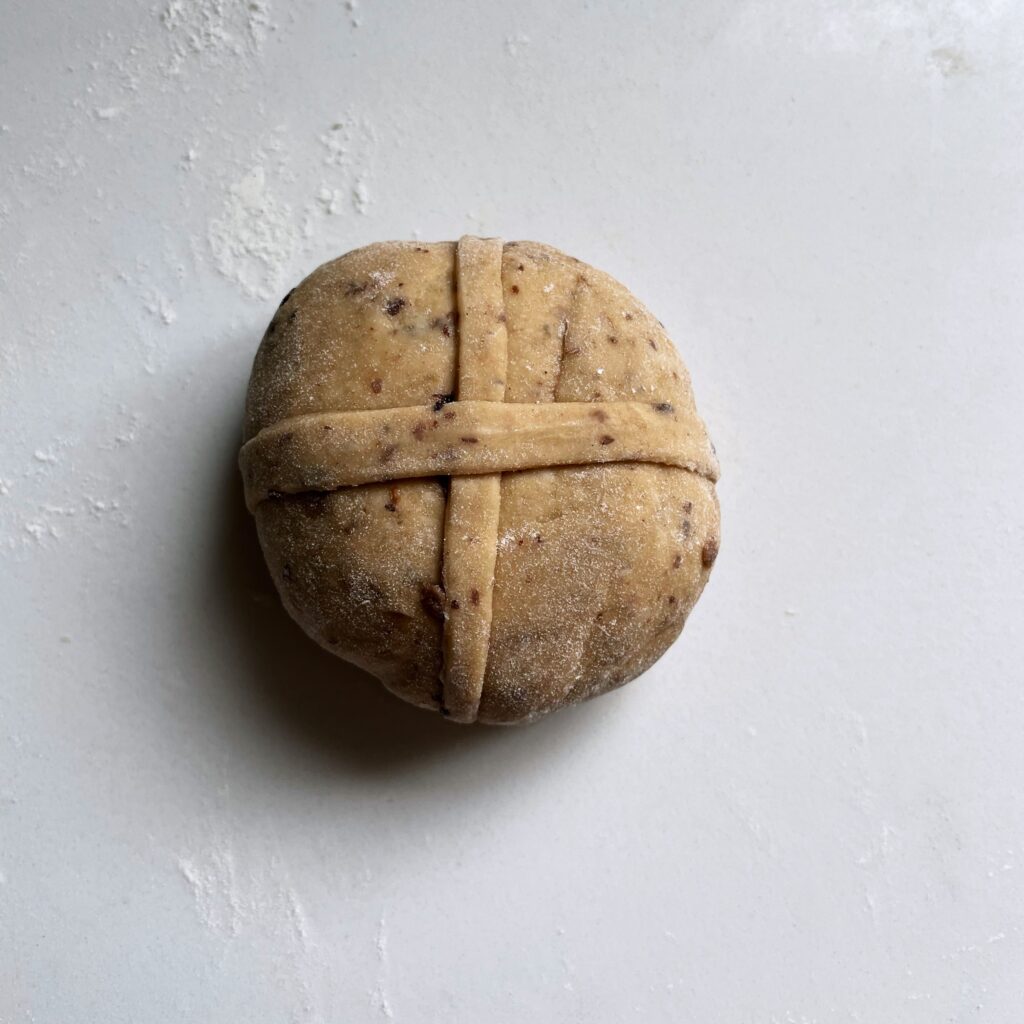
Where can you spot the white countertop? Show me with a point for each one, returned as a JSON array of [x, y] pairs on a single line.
[[810, 810]]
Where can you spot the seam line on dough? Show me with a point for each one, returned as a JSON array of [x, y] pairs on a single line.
[[307, 491], [566, 327]]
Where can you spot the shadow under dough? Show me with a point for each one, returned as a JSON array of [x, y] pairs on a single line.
[[319, 698]]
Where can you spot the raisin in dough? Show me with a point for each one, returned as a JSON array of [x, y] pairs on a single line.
[[477, 472]]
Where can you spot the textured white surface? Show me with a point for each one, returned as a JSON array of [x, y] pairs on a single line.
[[810, 810]]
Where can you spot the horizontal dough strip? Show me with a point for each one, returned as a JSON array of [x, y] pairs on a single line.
[[326, 451]]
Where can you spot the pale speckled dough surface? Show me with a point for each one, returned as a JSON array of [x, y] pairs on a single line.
[[597, 566]]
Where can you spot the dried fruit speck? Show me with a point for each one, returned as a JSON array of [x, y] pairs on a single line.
[[709, 552]]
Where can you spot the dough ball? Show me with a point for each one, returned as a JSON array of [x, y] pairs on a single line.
[[477, 472]]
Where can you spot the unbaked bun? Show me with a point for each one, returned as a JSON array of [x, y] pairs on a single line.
[[478, 473]]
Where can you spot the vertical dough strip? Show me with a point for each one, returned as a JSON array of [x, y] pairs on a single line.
[[471, 518]]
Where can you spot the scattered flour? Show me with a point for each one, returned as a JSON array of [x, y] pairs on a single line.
[[37, 529], [300, 921], [379, 1001], [350, 147], [43, 524], [239, 901], [125, 433], [48, 499], [160, 306], [108, 113], [106, 508], [329, 200], [258, 22], [214, 885], [208, 30], [255, 238], [950, 61], [229, 901], [515, 43], [352, 7], [347, 141], [361, 196], [379, 996], [933, 35]]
